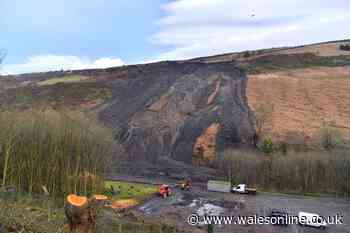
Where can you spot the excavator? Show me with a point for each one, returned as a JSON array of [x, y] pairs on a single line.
[[186, 185], [164, 190]]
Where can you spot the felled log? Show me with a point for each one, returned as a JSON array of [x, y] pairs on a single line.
[[81, 212], [99, 201]]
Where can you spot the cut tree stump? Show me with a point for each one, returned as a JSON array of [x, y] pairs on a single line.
[[81, 212], [99, 201]]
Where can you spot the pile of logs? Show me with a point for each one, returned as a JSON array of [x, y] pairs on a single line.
[[81, 212]]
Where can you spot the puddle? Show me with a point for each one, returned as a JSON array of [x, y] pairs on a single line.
[[205, 207], [210, 209]]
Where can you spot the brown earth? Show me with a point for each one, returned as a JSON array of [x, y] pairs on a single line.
[[204, 150], [302, 100], [324, 49], [319, 49], [189, 111]]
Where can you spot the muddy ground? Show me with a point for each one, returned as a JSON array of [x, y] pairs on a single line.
[[176, 209]]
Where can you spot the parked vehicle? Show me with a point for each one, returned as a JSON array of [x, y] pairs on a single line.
[[310, 219], [164, 190], [219, 186], [243, 189]]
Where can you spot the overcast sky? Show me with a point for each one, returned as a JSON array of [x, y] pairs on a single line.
[[42, 35]]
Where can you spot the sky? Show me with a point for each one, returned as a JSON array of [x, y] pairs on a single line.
[[41, 35]]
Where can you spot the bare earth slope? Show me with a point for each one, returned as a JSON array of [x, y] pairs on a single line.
[[302, 100], [189, 111]]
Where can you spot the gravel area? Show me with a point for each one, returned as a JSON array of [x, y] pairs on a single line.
[[181, 204]]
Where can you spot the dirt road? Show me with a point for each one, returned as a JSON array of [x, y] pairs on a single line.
[[176, 209]]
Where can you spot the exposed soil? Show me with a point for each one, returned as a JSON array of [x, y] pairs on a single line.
[[302, 100], [325, 49], [189, 111]]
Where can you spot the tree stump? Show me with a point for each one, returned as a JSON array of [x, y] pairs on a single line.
[[81, 212]]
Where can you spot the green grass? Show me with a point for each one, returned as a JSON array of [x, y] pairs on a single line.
[[65, 79], [130, 190]]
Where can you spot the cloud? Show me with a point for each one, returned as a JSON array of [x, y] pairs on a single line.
[[205, 27], [42, 63]]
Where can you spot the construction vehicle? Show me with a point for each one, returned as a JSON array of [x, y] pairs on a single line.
[[164, 190], [186, 185], [243, 189]]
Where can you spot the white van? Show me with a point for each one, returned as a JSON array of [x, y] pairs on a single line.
[[310, 219]]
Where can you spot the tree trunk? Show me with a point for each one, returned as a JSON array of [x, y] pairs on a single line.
[[81, 212]]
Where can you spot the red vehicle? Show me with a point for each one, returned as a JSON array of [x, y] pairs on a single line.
[[164, 190]]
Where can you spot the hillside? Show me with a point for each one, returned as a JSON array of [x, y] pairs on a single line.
[[190, 110]]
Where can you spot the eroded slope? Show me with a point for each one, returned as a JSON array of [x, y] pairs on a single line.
[[164, 110]]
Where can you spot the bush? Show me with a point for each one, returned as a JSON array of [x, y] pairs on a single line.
[[345, 47], [267, 146], [246, 54], [63, 151], [330, 137]]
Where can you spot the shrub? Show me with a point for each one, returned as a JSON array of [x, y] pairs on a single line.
[[267, 146], [283, 148], [329, 136], [63, 151], [246, 54], [345, 47]]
